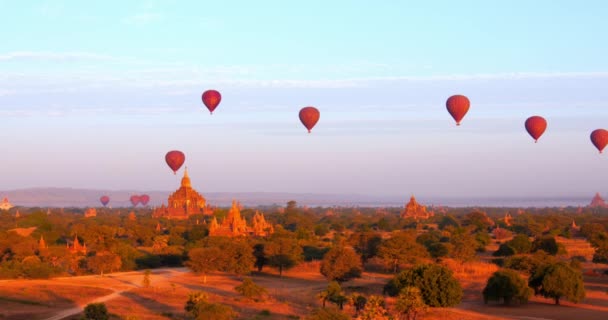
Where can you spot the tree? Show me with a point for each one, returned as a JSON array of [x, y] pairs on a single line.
[[546, 244], [464, 246], [96, 311], [410, 303], [375, 309], [204, 260], [251, 290], [366, 244], [504, 250], [601, 254], [401, 248], [507, 285], [104, 261], [437, 284], [333, 294], [520, 243], [283, 253], [358, 301], [200, 309], [557, 280], [341, 264]]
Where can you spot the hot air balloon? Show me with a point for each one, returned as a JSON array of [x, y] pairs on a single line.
[[211, 99], [104, 200], [175, 159], [458, 106], [135, 200], [309, 117], [536, 126], [144, 199], [599, 138]]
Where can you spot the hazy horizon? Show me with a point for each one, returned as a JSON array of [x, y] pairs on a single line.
[[94, 95]]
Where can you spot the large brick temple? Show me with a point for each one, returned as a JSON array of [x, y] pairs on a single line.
[[183, 203]]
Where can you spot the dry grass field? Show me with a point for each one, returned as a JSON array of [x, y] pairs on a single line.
[[289, 297]]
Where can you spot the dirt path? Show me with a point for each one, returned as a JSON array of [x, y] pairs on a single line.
[[125, 281]]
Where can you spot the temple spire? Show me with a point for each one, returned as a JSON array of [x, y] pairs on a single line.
[[186, 179]]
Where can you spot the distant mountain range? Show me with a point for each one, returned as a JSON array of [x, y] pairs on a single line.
[[67, 197]]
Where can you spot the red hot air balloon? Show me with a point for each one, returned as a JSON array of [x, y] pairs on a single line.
[[144, 199], [134, 200], [309, 117], [211, 99], [458, 106], [175, 159], [104, 200], [536, 126], [599, 138]]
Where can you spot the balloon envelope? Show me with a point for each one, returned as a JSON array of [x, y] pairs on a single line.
[[458, 106], [211, 99], [104, 200], [599, 138], [536, 126], [134, 200], [144, 199], [309, 117], [175, 159]]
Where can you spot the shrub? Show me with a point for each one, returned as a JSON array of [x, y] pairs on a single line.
[[250, 290], [96, 311], [557, 280], [507, 285], [437, 284]]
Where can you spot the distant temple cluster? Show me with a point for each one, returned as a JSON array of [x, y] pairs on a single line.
[[235, 225], [5, 204], [76, 247], [598, 202], [416, 211], [91, 212], [183, 203]]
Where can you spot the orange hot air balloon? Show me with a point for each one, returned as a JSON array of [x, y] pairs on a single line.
[[104, 200], [536, 126], [175, 159], [599, 138], [134, 200], [211, 99], [309, 117], [458, 106], [144, 199]]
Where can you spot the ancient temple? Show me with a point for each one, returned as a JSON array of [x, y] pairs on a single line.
[[5, 204], [183, 203], [598, 202], [235, 225], [42, 244], [91, 212], [76, 247], [416, 211]]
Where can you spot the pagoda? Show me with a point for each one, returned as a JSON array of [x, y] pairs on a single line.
[[598, 202], [183, 203], [76, 247], [235, 225], [5, 204], [415, 210]]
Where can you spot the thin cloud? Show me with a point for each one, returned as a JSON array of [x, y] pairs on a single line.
[[143, 18], [54, 56]]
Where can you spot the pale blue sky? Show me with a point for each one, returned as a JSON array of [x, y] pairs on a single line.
[[93, 95]]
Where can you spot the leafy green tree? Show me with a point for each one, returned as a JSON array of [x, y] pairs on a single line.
[[341, 264], [358, 301], [96, 311], [464, 246], [366, 244], [507, 285], [283, 253], [504, 250], [557, 280], [375, 309], [104, 261], [205, 260], [250, 289], [437, 284], [333, 294], [601, 254], [199, 308], [410, 303], [520, 243], [401, 248], [547, 244]]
